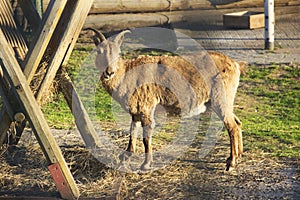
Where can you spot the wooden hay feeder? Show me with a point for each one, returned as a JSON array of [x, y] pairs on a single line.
[[54, 37], [244, 20]]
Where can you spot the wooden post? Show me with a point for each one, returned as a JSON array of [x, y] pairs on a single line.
[[21, 89], [269, 24], [82, 119]]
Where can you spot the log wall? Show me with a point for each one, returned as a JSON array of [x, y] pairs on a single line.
[[138, 6], [114, 15], [121, 6]]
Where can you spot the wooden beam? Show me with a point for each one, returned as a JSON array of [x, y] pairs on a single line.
[[65, 37], [38, 123], [49, 23], [82, 119]]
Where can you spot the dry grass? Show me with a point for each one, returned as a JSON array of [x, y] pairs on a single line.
[[23, 171]]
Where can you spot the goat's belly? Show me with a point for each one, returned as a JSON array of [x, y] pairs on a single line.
[[196, 111], [176, 110]]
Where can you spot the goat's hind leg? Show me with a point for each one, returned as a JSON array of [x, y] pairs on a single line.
[[148, 126], [240, 136], [235, 135], [223, 106]]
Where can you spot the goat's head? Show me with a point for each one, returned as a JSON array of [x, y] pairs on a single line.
[[108, 52]]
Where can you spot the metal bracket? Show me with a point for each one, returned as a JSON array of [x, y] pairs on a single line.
[[60, 181]]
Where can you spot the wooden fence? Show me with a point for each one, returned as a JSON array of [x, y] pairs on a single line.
[[116, 15], [138, 6]]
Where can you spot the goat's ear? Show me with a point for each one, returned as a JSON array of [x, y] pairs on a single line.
[[119, 38]]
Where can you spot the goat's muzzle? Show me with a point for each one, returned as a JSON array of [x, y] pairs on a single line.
[[108, 75]]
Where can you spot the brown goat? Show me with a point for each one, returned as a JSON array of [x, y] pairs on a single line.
[[154, 76]]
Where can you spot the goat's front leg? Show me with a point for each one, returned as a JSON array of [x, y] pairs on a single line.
[[147, 140], [134, 128]]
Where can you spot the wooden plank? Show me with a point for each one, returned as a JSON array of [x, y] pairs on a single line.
[[82, 119], [65, 38], [49, 23], [38, 123], [45, 5]]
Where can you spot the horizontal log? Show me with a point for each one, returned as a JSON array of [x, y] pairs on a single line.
[[177, 5], [142, 6], [120, 6], [116, 22], [294, 3], [109, 23], [253, 3], [138, 6]]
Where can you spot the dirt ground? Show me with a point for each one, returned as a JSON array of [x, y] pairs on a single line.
[[258, 176]]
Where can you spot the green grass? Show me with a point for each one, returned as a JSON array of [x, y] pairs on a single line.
[[267, 99], [83, 74], [270, 96]]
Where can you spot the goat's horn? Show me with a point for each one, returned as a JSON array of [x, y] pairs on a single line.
[[98, 35], [120, 36]]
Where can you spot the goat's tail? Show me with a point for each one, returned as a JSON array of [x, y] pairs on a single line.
[[243, 65]]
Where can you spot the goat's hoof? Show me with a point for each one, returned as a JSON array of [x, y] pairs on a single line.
[[146, 167], [241, 151], [240, 155], [125, 156], [230, 164]]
